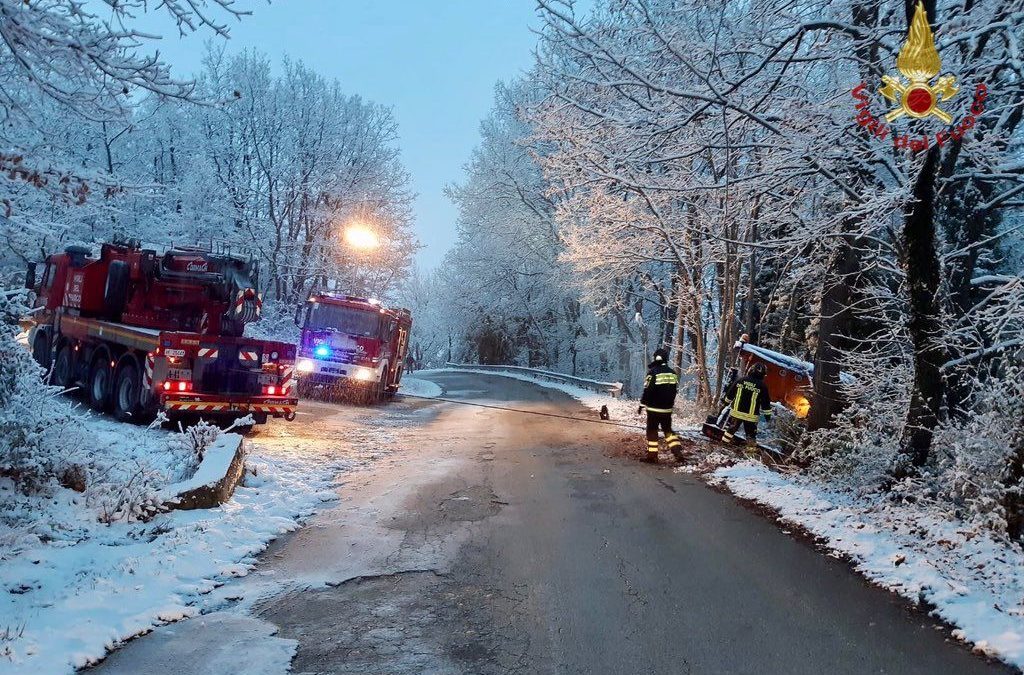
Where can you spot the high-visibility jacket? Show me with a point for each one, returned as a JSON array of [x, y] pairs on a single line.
[[749, 398], [660, 388]]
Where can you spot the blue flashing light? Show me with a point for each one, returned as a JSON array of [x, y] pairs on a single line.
[[322, 351]]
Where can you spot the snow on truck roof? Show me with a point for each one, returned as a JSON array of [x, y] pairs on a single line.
[[789, 363], [780, 360], [357, 302]]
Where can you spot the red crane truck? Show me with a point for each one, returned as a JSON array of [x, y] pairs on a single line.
[[351, 346], [142, 332]]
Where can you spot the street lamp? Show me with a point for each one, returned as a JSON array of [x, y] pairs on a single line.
[[361, 237]]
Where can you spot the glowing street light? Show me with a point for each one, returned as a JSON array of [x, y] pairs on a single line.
[[361, 237]]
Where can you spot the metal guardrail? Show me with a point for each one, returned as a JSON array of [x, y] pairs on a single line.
[[612, 388]]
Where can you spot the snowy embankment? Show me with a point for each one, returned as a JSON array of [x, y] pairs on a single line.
[[75, 586], [973, 581]]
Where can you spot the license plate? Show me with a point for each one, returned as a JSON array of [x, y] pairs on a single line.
[[179, 373], [268, 379]]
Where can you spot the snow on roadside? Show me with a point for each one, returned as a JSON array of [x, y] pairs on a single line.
[[974, 582], [70, 600], [414, 386]]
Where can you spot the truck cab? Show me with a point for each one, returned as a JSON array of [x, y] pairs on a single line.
[[351, 346]]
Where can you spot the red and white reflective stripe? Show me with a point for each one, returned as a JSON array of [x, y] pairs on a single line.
[[280, 409], [147, 377], [259, 304], [197, 406], [208, 352], [287, 379], [239, 302], [202, 406], [248, 355]]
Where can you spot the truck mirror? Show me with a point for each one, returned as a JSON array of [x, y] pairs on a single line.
[[30, 276]]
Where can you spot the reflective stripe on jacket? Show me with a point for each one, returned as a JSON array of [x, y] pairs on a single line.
[[660, 388], [749, 398]]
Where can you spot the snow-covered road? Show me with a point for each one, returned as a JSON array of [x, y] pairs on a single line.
[[477, 540]]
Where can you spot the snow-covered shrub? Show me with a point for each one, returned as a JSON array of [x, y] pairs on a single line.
[[277, 322], [859, 453], [981, 456], [786, 428], [189, 445], [126, 493], [39, 437]]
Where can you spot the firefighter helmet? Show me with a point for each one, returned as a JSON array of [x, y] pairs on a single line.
[[661, 354], [758, 370]]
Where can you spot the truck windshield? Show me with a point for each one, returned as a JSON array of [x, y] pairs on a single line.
[[348, 320]]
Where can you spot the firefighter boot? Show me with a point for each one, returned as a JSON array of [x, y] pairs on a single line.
[[675, 446], [750, 448], [652, 452]]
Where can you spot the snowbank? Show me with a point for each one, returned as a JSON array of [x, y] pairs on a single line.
[[974, 582], [414, 386], [75, 592], [214, 480]]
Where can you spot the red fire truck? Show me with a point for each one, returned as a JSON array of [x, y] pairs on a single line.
[[142, 332], [351, 347]]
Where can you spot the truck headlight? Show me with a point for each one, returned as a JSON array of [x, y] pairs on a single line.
[[363, 374], [305, 366]]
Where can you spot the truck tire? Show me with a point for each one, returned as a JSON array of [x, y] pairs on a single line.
[[41, 349], [127, 391], [115, 293], [63, 374], [99, 383]]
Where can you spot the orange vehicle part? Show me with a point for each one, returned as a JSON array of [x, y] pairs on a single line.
[[788, 379]]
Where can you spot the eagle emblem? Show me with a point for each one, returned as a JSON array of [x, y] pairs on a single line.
[[919, 62]]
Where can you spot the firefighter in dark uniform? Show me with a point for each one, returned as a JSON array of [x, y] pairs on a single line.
[[659, 396], [748, 398]]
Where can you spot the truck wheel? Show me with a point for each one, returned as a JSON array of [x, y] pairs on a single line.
[[115, 293], [41, 350], [99, 383], [127, 394], [63, 374]]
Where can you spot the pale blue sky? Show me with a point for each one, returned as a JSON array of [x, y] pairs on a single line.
[[435, 61]]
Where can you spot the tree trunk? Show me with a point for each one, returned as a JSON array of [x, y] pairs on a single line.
[[920, 262], [836, 322], [834, 325]]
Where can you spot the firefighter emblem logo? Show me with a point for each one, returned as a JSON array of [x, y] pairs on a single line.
[[918, 62]]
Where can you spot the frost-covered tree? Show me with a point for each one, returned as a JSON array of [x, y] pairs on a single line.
[[714, 169]]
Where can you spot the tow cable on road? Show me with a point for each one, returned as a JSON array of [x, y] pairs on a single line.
[[526, 412], [772, 453]]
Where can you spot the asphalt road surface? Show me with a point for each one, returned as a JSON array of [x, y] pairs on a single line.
[[498, 542]]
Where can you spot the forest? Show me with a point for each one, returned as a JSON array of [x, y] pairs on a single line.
[[683, 173]]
